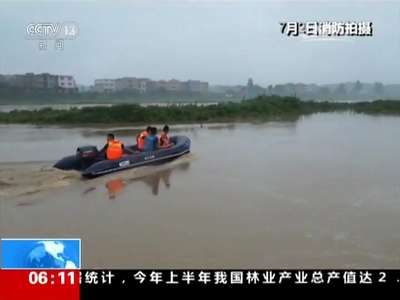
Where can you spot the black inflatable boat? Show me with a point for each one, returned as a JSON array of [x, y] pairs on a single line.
[[91, 163]]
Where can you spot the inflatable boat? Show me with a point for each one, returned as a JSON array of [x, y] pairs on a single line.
[[91, 162]]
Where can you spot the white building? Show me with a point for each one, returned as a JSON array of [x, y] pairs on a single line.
[[197, 86], [143, 85], [67, 83], [131, 84], [104, 85]]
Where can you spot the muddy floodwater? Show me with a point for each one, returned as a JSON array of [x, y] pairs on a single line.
[[319, 192]]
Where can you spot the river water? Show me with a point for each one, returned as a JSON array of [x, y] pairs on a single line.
[[319, 192]]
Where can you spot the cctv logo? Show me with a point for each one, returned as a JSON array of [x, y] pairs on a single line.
[[43, 30], [51, 31]]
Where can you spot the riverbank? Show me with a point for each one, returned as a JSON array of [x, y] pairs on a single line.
[[261, 108]]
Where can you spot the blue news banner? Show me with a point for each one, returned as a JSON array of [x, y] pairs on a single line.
[[40, 254]]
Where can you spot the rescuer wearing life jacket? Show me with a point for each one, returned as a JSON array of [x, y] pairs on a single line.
[[114, 149], [151, 141], [141, 138], [164, 138]]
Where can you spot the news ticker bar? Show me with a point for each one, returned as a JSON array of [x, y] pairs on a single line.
[[250, 277], [125, 277], [81, 284]]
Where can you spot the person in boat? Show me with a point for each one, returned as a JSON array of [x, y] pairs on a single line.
[[164, 138], [141, 138], [151, 141], [113, 149]]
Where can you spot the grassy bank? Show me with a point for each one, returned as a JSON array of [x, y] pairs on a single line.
[[260, 108]]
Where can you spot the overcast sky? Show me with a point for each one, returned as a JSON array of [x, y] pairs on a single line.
[[223, 42]]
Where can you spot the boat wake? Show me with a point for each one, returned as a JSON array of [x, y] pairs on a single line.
[[26, 178], [30, 178]]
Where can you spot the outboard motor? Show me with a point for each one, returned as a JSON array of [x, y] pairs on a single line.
[[87, 155]]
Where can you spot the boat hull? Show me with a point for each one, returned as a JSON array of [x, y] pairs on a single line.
[[101, 166]]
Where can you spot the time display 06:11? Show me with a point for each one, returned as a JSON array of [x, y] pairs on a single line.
[[53, 277]]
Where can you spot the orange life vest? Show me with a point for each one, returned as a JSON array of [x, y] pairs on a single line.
[[114, 150], [140, 140]]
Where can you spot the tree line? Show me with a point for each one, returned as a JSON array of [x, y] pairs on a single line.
[[260, 108]]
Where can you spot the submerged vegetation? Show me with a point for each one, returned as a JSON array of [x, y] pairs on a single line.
[[260, 108]]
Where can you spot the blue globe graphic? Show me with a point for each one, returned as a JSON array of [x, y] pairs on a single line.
[[49, 255]]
